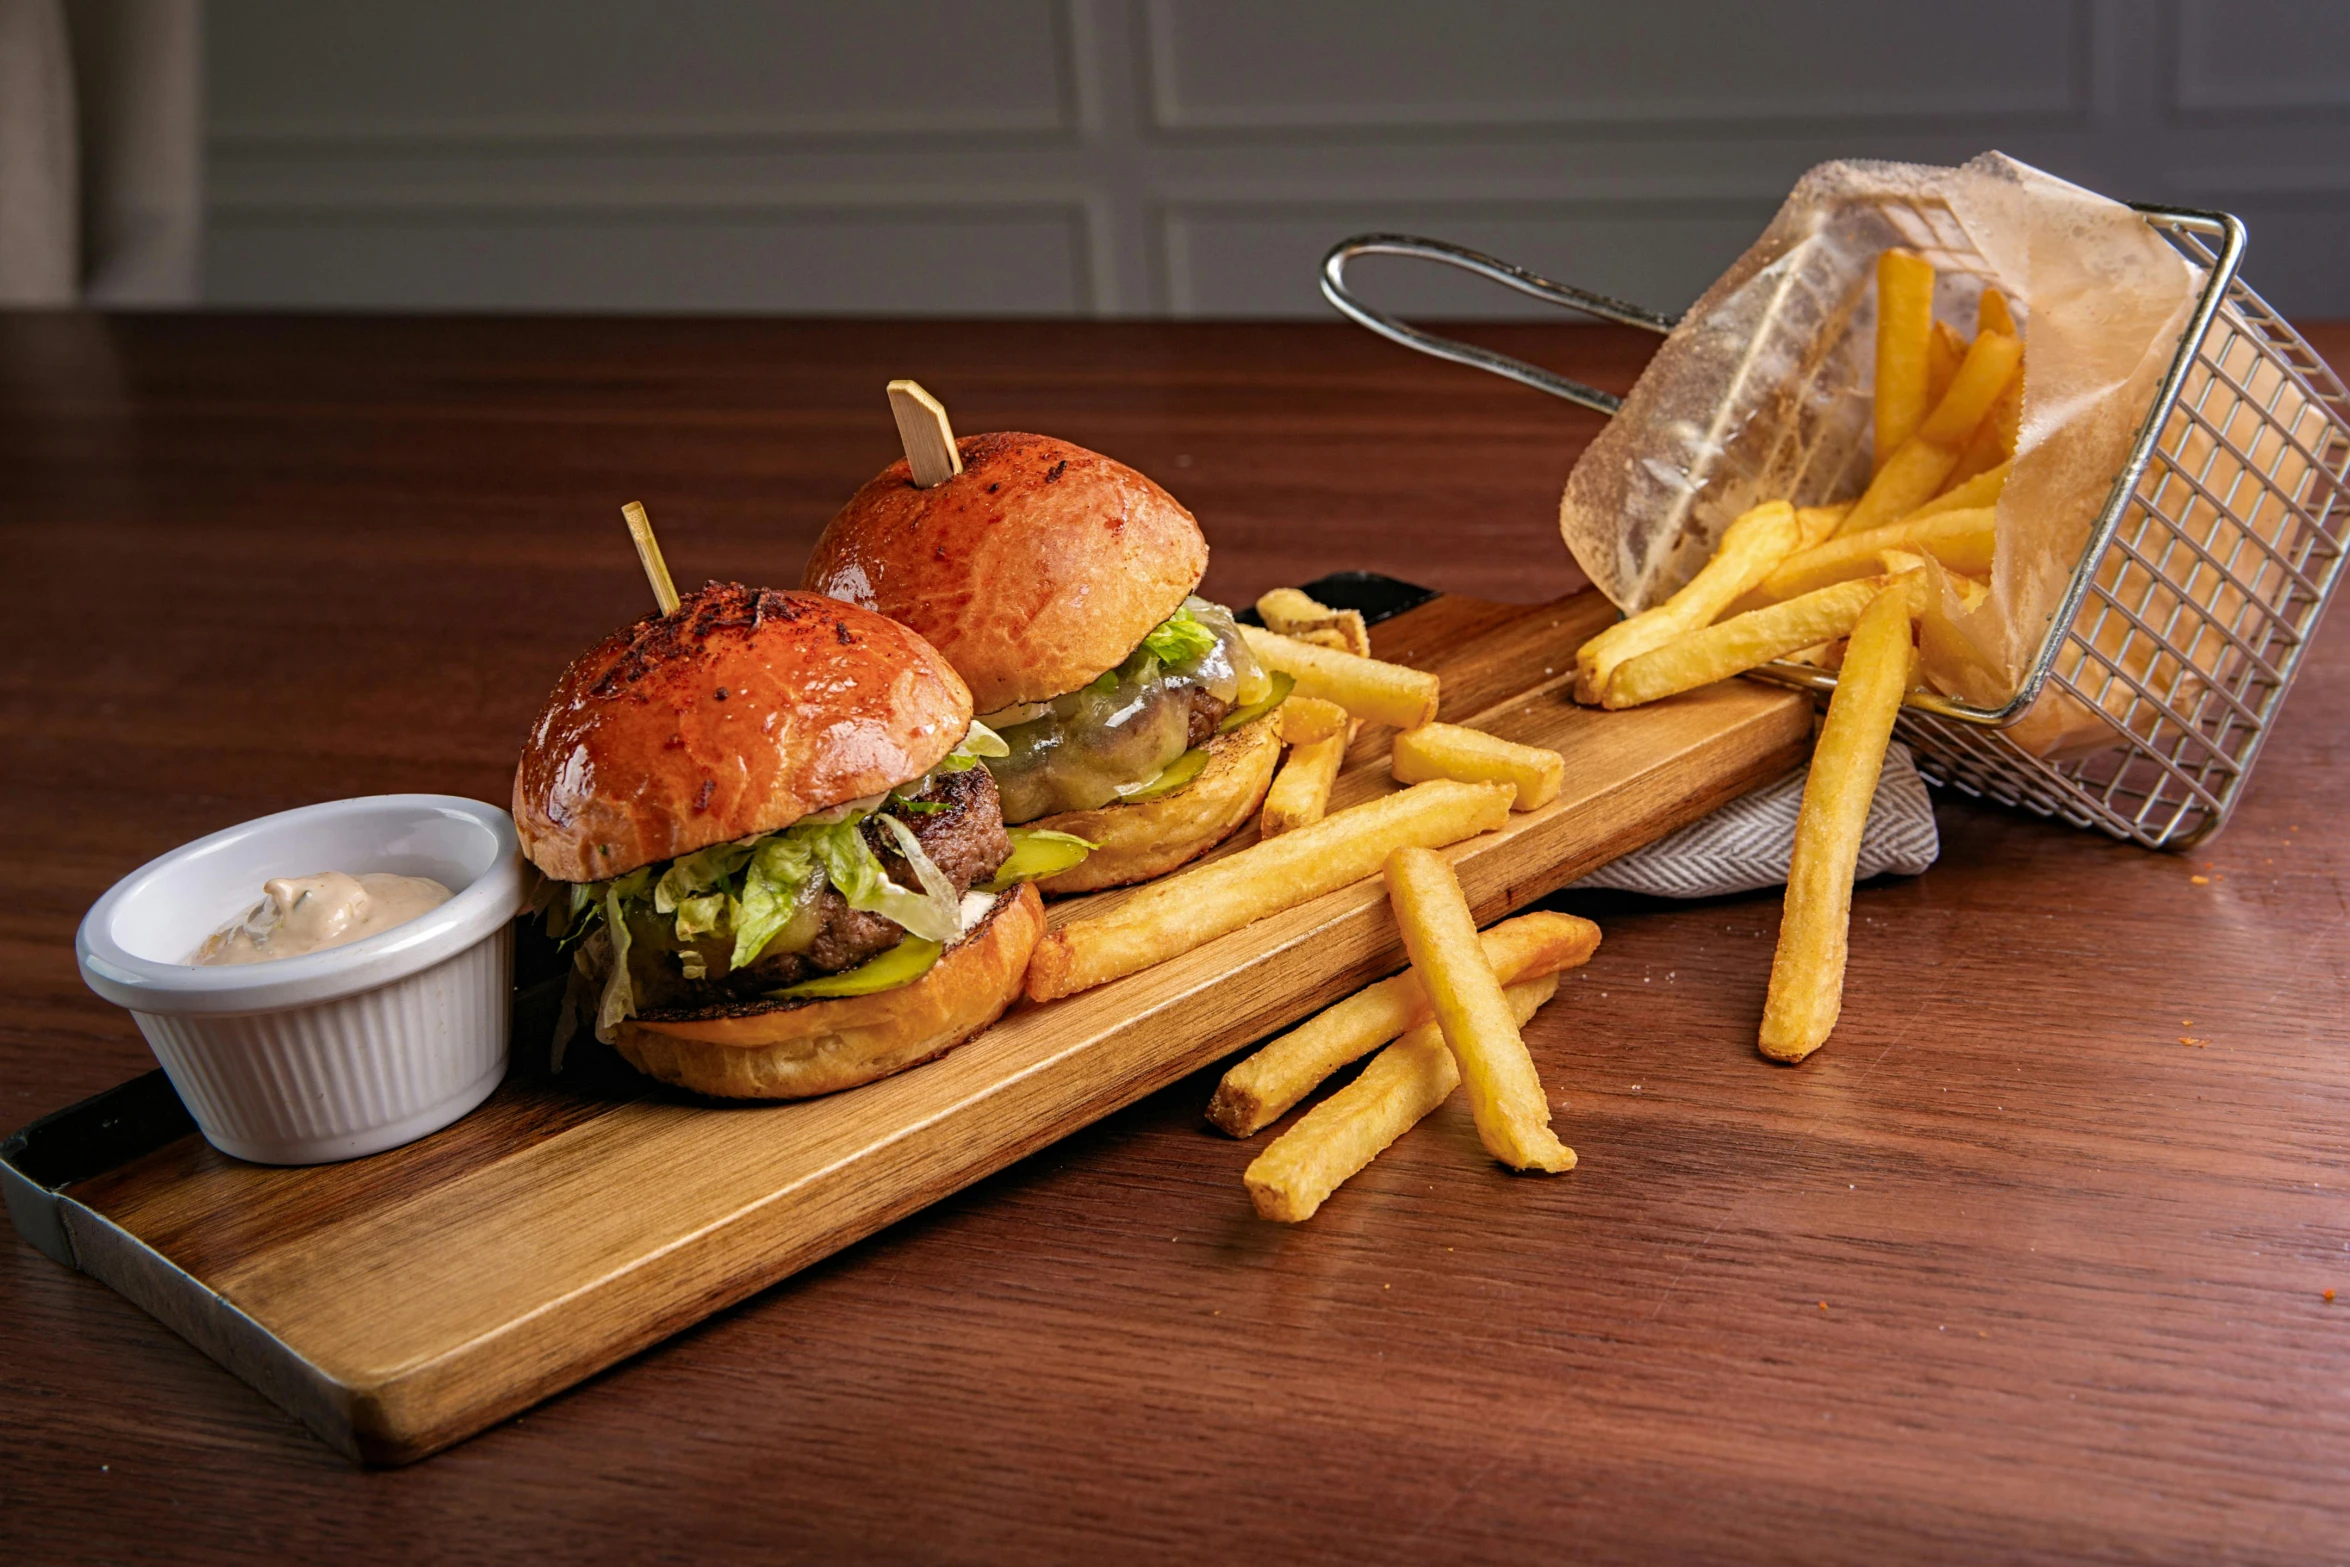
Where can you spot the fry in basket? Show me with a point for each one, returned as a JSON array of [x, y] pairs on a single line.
[[1195, 906], [1921, 571], [1301, 790], [1381, 692], [1961, 540], [1346, 1131], [1945, 351], [1992, 314], [1293, 613], [1473, 756], [1977, 489], [1818, 524], [1993, 443], [1305, 719], [1742, 642], [1505, 1093], [1921, 465], [1259, 1090], [1905, 332], [1807, 973], [1750, 549]]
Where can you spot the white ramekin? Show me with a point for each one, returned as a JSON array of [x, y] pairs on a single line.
[[332, 1054]]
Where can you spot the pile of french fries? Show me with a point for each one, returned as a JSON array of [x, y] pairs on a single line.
[[1461, 782], [1452, 1018], [1842, 586]]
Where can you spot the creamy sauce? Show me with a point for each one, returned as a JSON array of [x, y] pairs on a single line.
[[299, 914]]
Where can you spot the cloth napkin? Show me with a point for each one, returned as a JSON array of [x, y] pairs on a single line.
[[1747, 843]]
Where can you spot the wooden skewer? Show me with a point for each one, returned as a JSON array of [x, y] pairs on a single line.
[[929, 439], [648, 550]]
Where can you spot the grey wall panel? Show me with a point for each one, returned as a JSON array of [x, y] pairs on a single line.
[[439, 70], [1195, 156], [815, 260], [2262, 56], [1243, 64]]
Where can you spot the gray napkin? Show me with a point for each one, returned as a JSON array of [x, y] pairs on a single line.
[[1747, 843]]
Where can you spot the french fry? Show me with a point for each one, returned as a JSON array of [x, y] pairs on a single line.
[[1381, 692], [1195, 906], [1945, 351], [1921, 465], [1742, 642], [1977, 489], [1818, 524], [1961, 540], [1992, 314], [1305, 719], [1993, 443], [1505, 1092], [1473, 756], [1750, 549], [1807, 972], [1905, 330], [1338, 1137], [1971, 590], [1301, 790], [1294, 613], [1259, 1091]]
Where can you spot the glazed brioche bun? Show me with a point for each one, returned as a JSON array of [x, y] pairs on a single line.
[[795, 1050], [1149, 838], [1035, 569], [739, 712]]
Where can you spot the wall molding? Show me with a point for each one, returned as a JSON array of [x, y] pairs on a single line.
[[1171, 118], [899, 122], [2192, 101]]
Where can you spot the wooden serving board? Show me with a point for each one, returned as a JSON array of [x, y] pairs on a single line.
[[399, 1303]]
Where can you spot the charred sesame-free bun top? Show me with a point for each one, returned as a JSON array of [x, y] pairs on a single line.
[[740, 712], [1033, 570]]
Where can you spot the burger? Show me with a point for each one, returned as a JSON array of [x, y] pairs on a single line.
[[770, 847], [1137, 729]]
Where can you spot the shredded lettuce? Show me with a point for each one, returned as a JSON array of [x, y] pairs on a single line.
[[855, 872], [977, 741], [783, 871], [746, 893], [1180, 639], [619, 998], [705, 871]]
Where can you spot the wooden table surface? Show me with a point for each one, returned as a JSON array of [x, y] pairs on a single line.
[[2011, 1270]]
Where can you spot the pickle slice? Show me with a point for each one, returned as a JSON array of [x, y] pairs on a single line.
[[1038, 852], [902, 964], [1283, 684], [1172, 777]]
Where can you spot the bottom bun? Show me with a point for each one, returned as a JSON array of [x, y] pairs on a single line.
[[1153, 837], [799, 1050]]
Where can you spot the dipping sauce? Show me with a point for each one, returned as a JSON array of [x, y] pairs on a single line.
[[299, 914]]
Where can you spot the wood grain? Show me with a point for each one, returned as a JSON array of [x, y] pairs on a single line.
[[397, 1304], [2073, 1267]]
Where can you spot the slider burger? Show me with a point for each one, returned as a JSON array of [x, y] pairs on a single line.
[[776, 852], [1059, 584]]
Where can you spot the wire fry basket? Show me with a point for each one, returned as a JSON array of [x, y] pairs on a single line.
[[2204, 577]]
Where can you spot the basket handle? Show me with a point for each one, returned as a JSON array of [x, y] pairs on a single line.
[[1492, 268]]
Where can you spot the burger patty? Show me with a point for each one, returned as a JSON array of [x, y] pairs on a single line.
[[1207, 711], [966, 841]]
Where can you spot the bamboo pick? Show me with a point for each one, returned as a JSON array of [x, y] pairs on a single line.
[[928, 438], [648, 550]]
